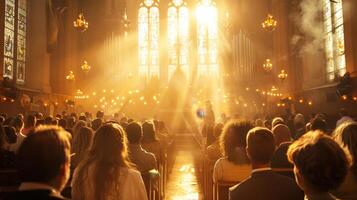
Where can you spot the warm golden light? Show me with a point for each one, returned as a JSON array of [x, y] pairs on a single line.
[[85, 67], [268, 65], [269, 23], [282, 75], [70, 76], [207, 38], [80, 23]]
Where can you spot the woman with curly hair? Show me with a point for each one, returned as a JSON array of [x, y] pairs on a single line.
[[106, 173], [234, 165], [346, 136]]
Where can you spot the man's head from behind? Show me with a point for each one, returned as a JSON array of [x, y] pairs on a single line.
[[260, 146], [44, 157], [134, 133]]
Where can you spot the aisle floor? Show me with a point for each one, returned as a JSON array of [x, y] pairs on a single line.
[[182, 183]]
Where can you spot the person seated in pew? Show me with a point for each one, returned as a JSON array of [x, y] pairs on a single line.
[[346, 136], [213, 151], [234, 166], [43, 164], [320, 165], [106, 172], [264, 184], [151, 143], [144, 161], [283, 140]]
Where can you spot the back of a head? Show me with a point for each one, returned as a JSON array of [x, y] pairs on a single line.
[[299, 119], [10, 134], [259, 123], [100, 114], [281, 134], [319, 124], [346, 135], [79, 124], [234, 136], [276, 121], [109, 145], [49, 120], [96, 124], [149, 134], [17, 123], [2, 120], [30, 121], [70, 122], [82, 140], [42, 154], [62, 123], [134, 132], [2, 138], [319, 160], [260, 145]]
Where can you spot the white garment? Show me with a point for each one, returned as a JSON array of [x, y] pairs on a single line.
[[131, 187], [20, 138], [224, 170]]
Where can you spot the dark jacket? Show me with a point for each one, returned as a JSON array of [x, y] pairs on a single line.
[[266, 185], [31, 195]]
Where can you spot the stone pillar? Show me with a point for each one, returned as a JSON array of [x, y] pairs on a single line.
[[38, 66]]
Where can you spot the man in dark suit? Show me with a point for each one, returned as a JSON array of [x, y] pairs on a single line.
[[43, 164], [264, 184]]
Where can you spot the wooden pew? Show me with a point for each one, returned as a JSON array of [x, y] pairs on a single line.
[[221, 190]]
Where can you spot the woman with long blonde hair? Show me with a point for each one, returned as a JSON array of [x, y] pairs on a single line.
[[106, 173]]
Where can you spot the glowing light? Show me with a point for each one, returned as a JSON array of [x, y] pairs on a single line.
[[269, 23], [301, 101], [207, 38], [70, 76], [81, 23], [310, 103], [94, 93], [282, 75], [86, 67], [344, 97], [268, 66]]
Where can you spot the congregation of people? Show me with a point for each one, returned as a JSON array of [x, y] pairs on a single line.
[[72, 156]]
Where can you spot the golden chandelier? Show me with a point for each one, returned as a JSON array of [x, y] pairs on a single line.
[[85, 67], [282, 75], [269, 23], [80, 23], [267, 66], [70, 76]]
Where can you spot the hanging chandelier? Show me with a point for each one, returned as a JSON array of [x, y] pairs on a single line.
[[268, 65], [269, 23], [86, 67], [282, 75], [70, 76], [81, 23]]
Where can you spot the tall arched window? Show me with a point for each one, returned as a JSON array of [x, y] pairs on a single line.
[[15, 40], [207, 35], [178, 37], [334, 41], [148, 31]]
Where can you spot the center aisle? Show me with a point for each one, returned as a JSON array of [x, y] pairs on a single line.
[[183, 183]]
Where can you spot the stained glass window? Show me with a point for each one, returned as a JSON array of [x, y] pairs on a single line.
[[334, 39], [9, 40], [21, 42], [148, 38], [178, 33], [15, 40], [207, 38]]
